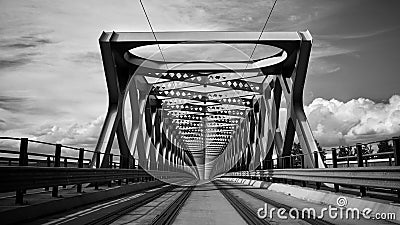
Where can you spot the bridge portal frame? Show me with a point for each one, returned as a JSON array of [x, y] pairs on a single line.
[[254, 138]]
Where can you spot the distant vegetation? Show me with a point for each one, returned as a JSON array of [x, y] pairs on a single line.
[[343, 151]]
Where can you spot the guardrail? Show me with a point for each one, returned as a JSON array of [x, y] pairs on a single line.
[[25, 169], [13, 178], [344, 156], [75, 157], [20, 179], [378, 177]]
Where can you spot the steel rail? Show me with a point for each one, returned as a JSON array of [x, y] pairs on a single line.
[[122, 209], [109, 211], [307, 218], [168, 216], [244, 211]]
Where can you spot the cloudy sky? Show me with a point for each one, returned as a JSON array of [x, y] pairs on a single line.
[[52, 84]]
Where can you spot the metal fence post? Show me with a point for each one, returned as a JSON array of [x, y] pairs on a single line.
[[48, 163], [57, 158], [111, 157], [23, 161], [396, 150], [80, 165], [267, 167], [334, 165], [291, 164], [318, 184], [278, 162], [303, 166], [23, 152], [111, 160], [291, 161], [65, 165], [360, 164], [121, 165], [128, 166], [96, 185]]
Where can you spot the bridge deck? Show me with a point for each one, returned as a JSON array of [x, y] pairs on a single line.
[[221, 202], [207, 205]]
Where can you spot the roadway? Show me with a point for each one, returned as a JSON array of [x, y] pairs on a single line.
[[220, 202]]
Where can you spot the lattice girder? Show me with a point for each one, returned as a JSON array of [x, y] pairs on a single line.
[[232, 111]]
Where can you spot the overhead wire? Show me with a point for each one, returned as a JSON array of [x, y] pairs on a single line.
[[255, 46], [155, 37], [251, 55], [154, 34], [262, 31], [259, 37]]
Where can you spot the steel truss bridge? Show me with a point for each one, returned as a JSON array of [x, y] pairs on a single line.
[[199, 128], [206, 117]]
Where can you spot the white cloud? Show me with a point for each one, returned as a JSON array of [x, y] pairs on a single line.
[[294, 18], [337, 123], [322, 50], [51, 59], [333, 123], [77, 134]]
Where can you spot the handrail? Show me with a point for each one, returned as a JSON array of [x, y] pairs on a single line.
[[40, 154], [10, 138], [28, 177], [51, 144], [382, 177]]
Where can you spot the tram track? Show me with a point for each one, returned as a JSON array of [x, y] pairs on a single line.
[[109, 211], [140, 201], [249, 214], [171, 212]]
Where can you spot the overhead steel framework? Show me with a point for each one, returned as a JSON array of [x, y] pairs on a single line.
[[205, 116]]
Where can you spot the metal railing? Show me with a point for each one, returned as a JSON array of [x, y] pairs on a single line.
[[15, 177], [382, 177], [23, 170], [356, 170], [64, 155], [356, 156], [363, 177]]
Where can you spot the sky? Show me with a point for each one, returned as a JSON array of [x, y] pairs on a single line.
[[52, 84]]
